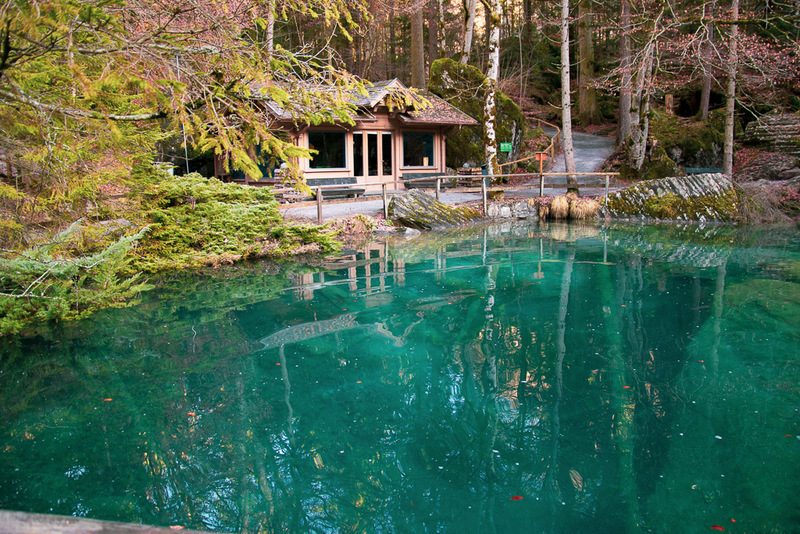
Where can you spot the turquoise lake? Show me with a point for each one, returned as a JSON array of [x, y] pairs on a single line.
[[498, 379]]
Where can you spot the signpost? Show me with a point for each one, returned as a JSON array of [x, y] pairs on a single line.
[[541, 157]]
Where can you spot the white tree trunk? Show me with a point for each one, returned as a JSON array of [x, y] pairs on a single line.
[[566, 101], [270, 28], [492, 75], [469, 28], [730, 92]]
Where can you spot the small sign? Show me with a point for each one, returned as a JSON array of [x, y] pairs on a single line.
[[540, 157], [505, 147]]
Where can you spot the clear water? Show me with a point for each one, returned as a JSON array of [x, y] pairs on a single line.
[[500, 379]]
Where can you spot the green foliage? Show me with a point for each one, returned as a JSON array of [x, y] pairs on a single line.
[[197, 220], [40, 285]]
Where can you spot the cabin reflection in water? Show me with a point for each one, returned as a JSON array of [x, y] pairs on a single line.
[[366, 271]]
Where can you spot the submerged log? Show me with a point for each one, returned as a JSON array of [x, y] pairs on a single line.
[[417, 209], [22, 522]]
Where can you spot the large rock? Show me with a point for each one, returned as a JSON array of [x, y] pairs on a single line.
[[701, 197], [464, 87], [779, 132], [418, 209]]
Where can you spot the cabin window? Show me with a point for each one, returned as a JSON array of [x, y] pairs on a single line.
[[418, 149], [330, 148]]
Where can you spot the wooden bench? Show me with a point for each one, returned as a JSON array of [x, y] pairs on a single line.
[[447, 181], [336, 192], [703, 170]]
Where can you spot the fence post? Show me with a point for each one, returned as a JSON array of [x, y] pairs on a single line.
[[541, 184], [438, 189], [483, 194], [606, 203], [319, 204], [385, 203]]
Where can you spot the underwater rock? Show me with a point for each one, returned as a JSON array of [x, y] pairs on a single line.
[[701, 197], [418, 209]]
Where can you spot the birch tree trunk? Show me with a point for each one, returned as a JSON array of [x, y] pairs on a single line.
[[730, 92], [469, 28], [492, 75], [625, 62], [417, 50], [270, 28], [566, 101]]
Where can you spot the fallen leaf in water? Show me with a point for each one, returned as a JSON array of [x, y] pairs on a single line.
[[626, 387], [516, 498], [717, 527], [191, 414], [107, 400], [577, 479]]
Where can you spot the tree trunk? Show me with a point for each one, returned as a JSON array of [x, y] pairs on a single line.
[[492, 75], [442, 31], [270, 38], [588, 111], [730, 92], [417, 50], [626, 85], [469, 27], [433, 29], [705, 92], [566, 101]]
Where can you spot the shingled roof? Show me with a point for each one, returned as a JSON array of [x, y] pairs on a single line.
[[410, 107]]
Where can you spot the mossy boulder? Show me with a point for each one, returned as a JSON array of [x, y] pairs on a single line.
[[417, 209], [702, 197], [463, 86], [688, 142]]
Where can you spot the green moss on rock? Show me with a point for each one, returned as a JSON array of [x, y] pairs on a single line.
[[463, 86]]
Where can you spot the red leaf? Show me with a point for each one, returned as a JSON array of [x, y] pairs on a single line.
[[516, 498], [717, 527]]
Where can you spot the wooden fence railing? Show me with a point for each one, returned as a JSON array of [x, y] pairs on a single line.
[[551, 149], [484, 189]]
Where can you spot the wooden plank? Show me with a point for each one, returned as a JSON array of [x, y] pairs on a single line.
[[25, 523]]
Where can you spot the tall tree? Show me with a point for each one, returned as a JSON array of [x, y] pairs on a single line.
[[730, 91], [625, 65], [417, 47], [492, 75], [566, 102], [470, 7], [588, 110]]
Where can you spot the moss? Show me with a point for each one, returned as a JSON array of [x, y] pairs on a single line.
[[463, 86], [639, 200], [197, 221]]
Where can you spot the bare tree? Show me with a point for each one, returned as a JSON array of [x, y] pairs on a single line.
[[566, 102], [730, 92]]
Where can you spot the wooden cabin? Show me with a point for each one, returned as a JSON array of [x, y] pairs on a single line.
[[387, 143]]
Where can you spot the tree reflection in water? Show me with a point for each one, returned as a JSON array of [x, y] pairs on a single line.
[[512, 378]]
